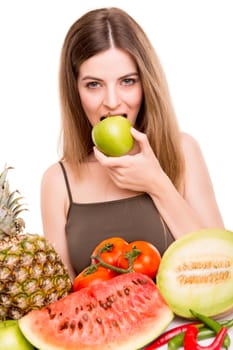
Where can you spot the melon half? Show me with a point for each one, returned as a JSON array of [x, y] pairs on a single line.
[[196, 272]]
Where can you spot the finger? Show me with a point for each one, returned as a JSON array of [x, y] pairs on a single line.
[[101, 157], [141, 138], [106, 161]]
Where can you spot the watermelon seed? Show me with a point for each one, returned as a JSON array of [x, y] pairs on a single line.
[[105, 305], [111, 298], [135, 282], [115, 324], [109, 304], [85, 317], [119, 293], [80, 325], [98, 320], [52, 316], [63, 325], [127, 291], [90, 307], [49, 310], [72, 325], [141, 281]]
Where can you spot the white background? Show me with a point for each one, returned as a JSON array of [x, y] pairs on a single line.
[[194, 41]]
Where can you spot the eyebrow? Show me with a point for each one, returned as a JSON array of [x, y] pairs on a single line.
[[89, 77]]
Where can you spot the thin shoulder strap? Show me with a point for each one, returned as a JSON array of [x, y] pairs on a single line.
[[66, 181]]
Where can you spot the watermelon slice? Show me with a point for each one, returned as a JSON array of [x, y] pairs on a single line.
[[123, 313]]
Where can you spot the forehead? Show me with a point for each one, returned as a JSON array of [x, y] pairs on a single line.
[[112, 62]]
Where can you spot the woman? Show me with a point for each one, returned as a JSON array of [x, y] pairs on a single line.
[[158, 192]]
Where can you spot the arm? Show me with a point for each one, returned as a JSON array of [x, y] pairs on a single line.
[[192, 210], [197, 207], [54, 204]]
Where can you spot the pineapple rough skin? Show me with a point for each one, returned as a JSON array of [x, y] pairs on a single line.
[[32, 274]]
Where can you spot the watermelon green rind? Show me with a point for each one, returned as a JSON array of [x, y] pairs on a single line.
[[124, 313], [212, 298]]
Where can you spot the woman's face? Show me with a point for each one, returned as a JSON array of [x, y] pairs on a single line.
[[109, 84]]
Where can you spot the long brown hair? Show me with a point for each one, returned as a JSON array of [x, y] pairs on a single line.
[[95, 32]]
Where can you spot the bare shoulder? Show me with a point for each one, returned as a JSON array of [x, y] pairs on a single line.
[[190, 146], [194, 159], [52, 172], [52, 177], [53, 189], [188, 142]]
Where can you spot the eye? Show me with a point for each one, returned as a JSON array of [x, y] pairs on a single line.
[[128, 81], [92, 85]]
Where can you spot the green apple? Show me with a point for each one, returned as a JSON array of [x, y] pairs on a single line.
[[11, 338], [112, 136]]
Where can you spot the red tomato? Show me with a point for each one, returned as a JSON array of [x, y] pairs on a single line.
[[148, 260], [85, 279], [116, 246]]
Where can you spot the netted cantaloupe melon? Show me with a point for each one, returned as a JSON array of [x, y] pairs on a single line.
[[196, 272]]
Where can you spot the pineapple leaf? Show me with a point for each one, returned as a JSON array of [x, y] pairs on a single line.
[[14, 203], [10, 208], [3, 175], [16, 213]]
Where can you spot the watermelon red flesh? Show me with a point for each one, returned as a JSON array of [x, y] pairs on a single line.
[[123, 313]]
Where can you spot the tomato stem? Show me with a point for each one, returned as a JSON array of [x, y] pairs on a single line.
[[91, 269], [130, 256], [111, 267]]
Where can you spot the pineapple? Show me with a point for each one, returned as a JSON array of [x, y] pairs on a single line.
[[32, 274]]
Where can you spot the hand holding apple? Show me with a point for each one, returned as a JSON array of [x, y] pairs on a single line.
[[137, 172]]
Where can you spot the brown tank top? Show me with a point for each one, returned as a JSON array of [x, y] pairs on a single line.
[[134, 218]]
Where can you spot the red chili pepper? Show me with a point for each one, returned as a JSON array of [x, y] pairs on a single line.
[[165, 337], [190, 340]]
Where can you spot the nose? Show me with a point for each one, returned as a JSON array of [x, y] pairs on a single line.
[[111, 98]]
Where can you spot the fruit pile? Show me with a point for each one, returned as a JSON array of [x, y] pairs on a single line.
[[124, 300], [34, 283], [114, 256]]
